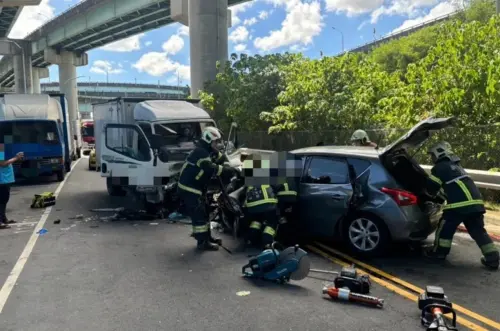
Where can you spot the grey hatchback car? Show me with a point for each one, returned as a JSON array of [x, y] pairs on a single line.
[[391, 192]]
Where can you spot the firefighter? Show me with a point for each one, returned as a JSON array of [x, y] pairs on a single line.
[[464, 205], [261, 208], [195, 176], [360, 138]]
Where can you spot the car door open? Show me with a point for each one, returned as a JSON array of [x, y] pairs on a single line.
[[325, 192]]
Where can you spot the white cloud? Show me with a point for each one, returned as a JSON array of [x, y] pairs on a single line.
[[158, 64], [148, 43], [402, 7], [129, 44], [302, 23], [241, 8], [250, 21], [288, 4], [173, 45], [263, 15], [352, 7], [240, 34], [240, 47], [440, 9], [31, 18], [363, 24], [183, 31], [106, 67]]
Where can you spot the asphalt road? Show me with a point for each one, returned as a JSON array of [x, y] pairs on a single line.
[[88, 273]]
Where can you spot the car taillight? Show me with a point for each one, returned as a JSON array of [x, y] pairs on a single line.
[[402, 198]]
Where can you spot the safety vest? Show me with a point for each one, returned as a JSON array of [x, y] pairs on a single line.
[[193, 178], [462, 195], [286, 193], [260, 199]]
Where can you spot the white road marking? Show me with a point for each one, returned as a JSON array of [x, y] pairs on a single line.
[[28, 249]]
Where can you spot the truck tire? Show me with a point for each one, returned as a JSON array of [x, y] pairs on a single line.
[[60, 175], [114, 190]]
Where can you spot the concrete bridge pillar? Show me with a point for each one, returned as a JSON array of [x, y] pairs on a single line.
[[67, 62], [208, 22], [37, 74]]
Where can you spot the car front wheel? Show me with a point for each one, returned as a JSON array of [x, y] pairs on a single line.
[[366, 235]]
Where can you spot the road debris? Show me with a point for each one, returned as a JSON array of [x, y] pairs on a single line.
[[43, 231], [77, 217], [108, 210], [243, 293], [58, 221], [94, 226], [154, 223]]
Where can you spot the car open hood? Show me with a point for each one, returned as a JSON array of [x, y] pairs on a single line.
[[418, 134]]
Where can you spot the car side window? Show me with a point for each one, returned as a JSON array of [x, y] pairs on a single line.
[[326, 170], [359, 165]]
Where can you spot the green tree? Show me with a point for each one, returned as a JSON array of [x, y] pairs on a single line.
[[248, 86]]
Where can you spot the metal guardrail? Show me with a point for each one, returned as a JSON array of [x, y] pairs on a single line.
[[483, 179]]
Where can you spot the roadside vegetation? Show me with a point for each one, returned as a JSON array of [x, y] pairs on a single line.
[[449, 69]]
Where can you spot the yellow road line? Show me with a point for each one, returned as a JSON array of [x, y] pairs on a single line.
[[394, 288], [412, 287]]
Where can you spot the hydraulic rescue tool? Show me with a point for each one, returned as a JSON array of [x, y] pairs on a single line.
[[347, 295], [291, 263], [348, 278], [434, 304]]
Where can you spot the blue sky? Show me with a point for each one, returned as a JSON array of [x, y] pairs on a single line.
[[258, 27]]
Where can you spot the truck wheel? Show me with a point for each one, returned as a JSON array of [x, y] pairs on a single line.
[[114, 190], [60, 175]]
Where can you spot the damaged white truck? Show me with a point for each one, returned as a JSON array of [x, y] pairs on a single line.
[[142, 144]]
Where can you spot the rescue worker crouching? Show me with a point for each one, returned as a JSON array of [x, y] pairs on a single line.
[[287, 199], [261, 208], [464, 205], [195, 176], [360, 138]]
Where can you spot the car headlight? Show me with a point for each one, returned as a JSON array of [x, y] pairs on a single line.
[[55, 161]]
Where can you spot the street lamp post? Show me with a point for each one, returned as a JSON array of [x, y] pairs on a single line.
[[342, 36], [23, 60]]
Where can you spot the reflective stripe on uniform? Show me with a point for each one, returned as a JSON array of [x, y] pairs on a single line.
[[488, 248], [263, 201], [205, 159], [198, 176], [437, 180], [270, 231], [200, 228], [189, 189], [438, 232], [446, 243], [456, 179], [255, 225], [219, 170], [286, 191], [463, 204], [464, 189]]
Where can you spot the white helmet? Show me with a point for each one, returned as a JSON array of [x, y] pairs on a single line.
[[211, 134], [360, 135], [440, 150]]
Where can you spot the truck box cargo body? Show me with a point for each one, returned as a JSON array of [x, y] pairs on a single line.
[[37, 126], [124, 129]]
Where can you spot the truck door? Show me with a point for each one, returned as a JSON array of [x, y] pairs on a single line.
[[126, 156]]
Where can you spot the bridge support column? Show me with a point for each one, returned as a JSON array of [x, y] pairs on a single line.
[[67, 62], [22, 67], [208, 34], [37, 74]]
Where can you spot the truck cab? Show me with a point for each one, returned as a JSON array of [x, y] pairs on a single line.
[[142, 148]]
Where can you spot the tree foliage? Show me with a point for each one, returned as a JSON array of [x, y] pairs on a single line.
[[450, 69]]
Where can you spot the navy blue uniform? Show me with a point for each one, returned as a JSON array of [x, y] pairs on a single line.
[[195, 176], [261, 208], [464, 205]]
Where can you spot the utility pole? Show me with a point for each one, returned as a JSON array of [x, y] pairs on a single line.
[[342, 36]]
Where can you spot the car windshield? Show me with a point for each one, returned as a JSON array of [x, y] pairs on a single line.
[[30, 132], [176, 133]]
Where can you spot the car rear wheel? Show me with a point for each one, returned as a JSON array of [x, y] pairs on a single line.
[[366, 235]]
